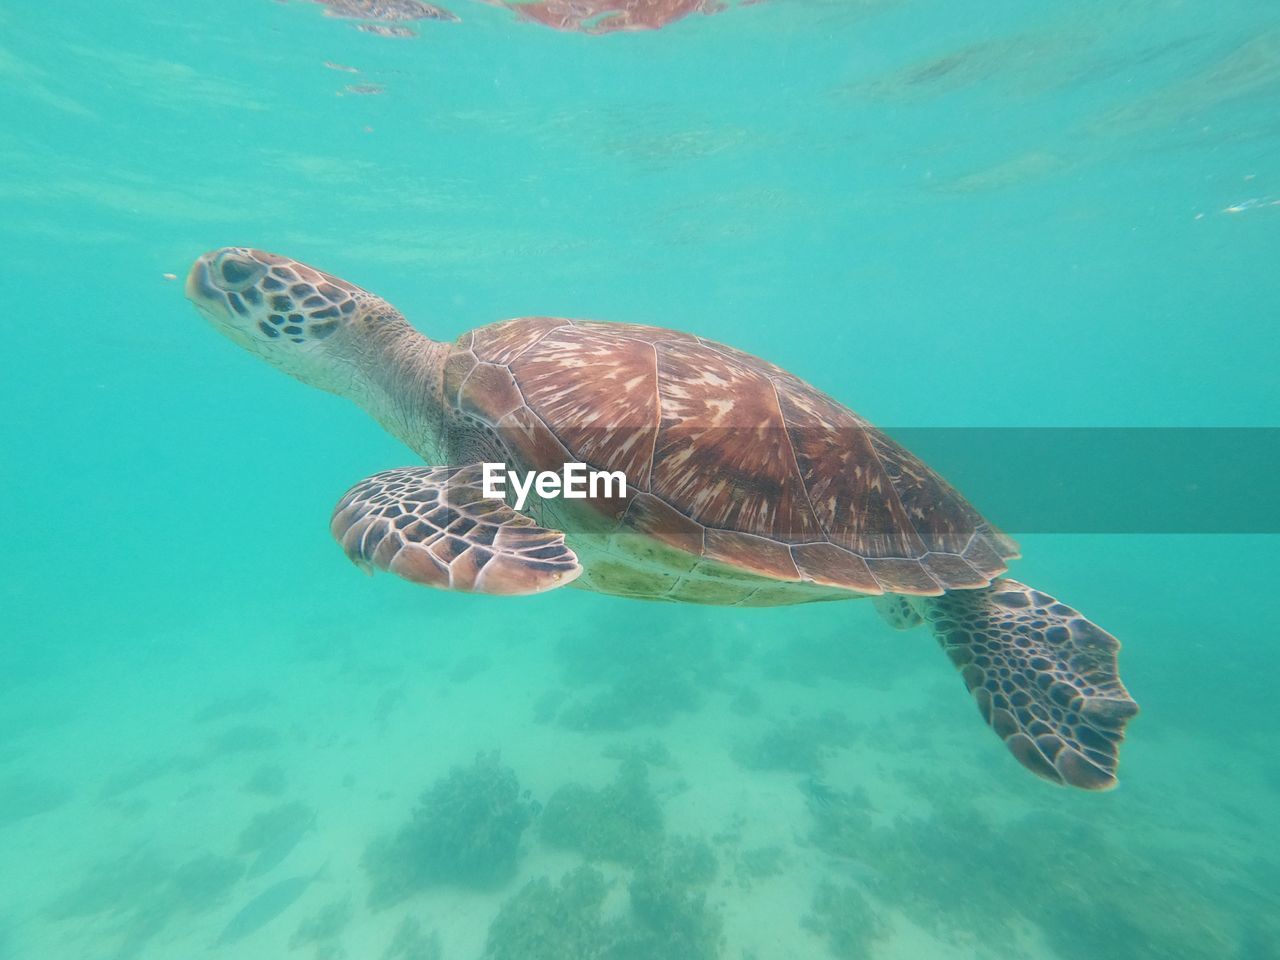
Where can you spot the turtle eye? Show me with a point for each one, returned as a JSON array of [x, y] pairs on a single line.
[[235, 272]]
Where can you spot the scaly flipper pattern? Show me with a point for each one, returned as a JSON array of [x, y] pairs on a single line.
[[897, 611], [434, 526], [1045, 678]]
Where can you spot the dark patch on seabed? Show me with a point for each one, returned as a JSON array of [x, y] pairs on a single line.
[[466, 831]]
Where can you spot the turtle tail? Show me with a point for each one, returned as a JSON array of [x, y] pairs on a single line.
[[1045, 678]]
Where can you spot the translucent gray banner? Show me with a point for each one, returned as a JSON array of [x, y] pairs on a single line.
[[1111, 480], [1023, 480]]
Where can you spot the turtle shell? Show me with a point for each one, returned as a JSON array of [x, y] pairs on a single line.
[[726, 456]]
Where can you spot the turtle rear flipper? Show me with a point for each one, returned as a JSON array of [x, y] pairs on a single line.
[[434, 526], [897, 611], [1045, 678]]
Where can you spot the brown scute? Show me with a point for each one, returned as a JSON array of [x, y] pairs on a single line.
[[1004, 545], [851, 494], [831, 566], [504, 342], [635, 331], [656, 518], [905, 576], [768, 558], [532, 440], [981, 555], [764, 367], [942, 518], [722, 455], [608, 419], [953, 571], [489, 391]]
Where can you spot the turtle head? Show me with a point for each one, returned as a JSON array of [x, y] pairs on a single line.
[[289, 314]]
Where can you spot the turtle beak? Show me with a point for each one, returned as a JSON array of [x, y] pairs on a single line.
[[199, 288]]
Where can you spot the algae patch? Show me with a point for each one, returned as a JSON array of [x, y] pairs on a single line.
[[841, 915], [666, 918], [620, 822], [465, 831]]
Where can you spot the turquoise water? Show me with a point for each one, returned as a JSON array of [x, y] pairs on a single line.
[[214, 733]]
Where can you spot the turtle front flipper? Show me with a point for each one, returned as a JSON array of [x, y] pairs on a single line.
[[434, 526], [1045, 678]]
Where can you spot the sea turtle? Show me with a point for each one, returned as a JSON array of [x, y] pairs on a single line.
[[744, 485], [384, 17], [384, 11], [608, 16]]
